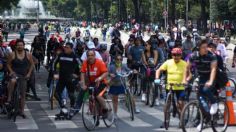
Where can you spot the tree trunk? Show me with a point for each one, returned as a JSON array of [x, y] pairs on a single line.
[[137, 4], [203, 16], [173, 9]]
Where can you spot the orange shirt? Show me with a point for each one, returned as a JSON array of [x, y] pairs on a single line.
[[95, 70]]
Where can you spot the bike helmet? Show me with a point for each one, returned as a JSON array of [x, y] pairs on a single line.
[[103, 46], [176, 51]]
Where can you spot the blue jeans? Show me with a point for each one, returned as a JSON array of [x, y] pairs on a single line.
[[208, 92]]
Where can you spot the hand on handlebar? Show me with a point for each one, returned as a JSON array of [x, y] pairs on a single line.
[[157, 81], [135, 71]]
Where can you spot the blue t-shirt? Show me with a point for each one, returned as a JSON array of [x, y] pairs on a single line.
[[136, 52]]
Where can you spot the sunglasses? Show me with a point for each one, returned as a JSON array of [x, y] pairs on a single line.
[[176, 55], [119, 59]]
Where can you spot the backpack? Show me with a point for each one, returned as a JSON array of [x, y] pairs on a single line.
[[221, 75]]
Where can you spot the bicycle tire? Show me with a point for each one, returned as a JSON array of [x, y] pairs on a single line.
[[16, 103], [233, 86], [153, 95], [52, 93], [147, 93], [225, 114], [110, 117], [187, 111], [139, 80], [130, 105], [167, 111], [91, 106]]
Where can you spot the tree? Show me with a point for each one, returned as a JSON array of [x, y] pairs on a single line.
[[7, 4]]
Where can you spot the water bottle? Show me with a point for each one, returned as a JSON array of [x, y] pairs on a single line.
[[204, 104]]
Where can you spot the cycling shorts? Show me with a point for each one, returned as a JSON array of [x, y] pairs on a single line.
[[179, 94], [99, 91]]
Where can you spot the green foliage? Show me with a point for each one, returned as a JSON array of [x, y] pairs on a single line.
[[7, 4]]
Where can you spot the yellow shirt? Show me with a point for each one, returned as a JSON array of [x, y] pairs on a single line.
[[175, 72]]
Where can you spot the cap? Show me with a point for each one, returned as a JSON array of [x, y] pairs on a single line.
[[90, 45]]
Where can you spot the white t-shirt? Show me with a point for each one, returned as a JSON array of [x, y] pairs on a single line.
[[221, 48], [97, 56]]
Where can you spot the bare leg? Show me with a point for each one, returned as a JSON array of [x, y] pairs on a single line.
[[115, 103], [10, 89]]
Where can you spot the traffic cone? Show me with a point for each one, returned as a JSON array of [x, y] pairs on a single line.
[[229, 102]]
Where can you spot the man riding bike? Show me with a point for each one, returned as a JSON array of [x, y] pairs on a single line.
[[206, 66], [93, 74], [176, 69], [20, 64]]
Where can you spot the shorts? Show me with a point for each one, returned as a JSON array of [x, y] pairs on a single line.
[[179, 94], [116, 90], [100, 91]]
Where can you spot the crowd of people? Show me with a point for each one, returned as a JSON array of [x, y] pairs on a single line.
[[81, 61]]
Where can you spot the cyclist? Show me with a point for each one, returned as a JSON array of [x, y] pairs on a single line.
[[176, 69], [206, 66], [135, 56], [68, 63], [20, 63], [90, 46], [149, 57], [116, 87], [93, 74], [187, 45]]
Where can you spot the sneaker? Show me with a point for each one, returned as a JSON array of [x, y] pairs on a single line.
[[137, 110], [115, 116], [143, 97], [157, 102], [199, 127], [214, 108]]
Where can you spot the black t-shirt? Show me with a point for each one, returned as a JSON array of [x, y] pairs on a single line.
[[67, 65], [203, 63]]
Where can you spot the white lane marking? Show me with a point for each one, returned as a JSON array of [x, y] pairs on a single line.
[[64, 124], [28, 123], [125, 117]]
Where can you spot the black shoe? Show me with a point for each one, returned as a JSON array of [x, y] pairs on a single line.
[[37, 99], [97, 123]]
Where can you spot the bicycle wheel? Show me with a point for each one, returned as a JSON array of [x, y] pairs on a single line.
[[129, 105], [152, 94], [148, 93], [167, 111], [138, 83], [110, 116], [191, 117], [90, 114], [220, 120], [16, 104], [51, 95], [233, 86]]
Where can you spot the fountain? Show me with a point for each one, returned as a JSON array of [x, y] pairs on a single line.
[[28, 9]]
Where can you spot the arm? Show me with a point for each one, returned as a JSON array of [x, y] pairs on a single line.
[[82, 80], [187, 73], [155, 57], [158, 73], [9, 65], [54, 64], [31, 64], [144, 59], [213, 72]]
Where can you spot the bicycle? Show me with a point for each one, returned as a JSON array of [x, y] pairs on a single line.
[[129, 104], [136, 89], [191, 119], [151, 88], [52, 94], [16, 98], [92, 112], [232, 82], [170, 105]]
